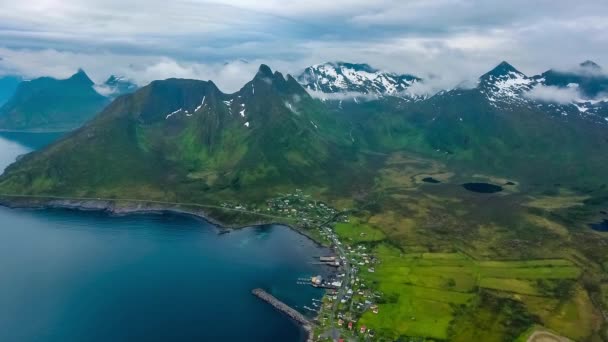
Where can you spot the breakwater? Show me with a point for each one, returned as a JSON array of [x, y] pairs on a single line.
[[286, 309]]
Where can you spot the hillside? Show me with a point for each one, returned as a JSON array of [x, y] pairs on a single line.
[[46, 103], [187, 138]]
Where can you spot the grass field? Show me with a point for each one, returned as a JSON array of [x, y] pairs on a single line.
[[425, 293], [355, 232]]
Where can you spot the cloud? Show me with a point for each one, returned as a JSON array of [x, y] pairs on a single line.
[[342, 96], [561, 95], [141, 69], [147, 39]]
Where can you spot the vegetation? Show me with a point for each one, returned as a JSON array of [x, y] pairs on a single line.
[[47, 104], [451, 264]]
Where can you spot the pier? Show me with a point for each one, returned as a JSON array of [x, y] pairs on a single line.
[[286, 309]]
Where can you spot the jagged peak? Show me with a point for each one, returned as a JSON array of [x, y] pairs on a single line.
[[354, 66], [264, 71], [81, 76], [113, 79], [502, 69], [589, 64]]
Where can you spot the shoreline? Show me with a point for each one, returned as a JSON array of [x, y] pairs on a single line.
[[126, 208], [37, 131]]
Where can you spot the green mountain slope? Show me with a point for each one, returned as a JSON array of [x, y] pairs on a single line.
[[185, 138], [484, 130], [50, 104]]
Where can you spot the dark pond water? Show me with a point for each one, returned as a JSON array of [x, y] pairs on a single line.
[[484, 188], [600, 227], [73, 276], [431, 180]]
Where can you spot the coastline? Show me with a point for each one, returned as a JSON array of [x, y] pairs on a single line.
[[33, 131], [125, 208]]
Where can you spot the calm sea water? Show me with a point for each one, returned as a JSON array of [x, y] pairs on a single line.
[[73, 276]]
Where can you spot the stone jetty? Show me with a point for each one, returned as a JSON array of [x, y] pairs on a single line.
[[286, 309]]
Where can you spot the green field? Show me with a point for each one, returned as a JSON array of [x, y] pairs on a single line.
[[424, 293], [355, 232]]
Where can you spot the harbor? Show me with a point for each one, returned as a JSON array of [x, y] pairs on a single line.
[[286, 309]]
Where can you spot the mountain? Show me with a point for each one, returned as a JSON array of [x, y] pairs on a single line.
[[345, 78], [8, 85], [51, 104], [494, 128], [186, 138], [588, 78], [116, 86], [506, 84]]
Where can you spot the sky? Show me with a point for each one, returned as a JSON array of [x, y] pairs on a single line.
[[449, 41]]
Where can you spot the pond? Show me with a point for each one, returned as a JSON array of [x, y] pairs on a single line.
[[431, 180], [600, 227], [484, 188]]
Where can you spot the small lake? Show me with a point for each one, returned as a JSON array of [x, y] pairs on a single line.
[[600, 227], [484, 188], [76, 276], [431, 180]]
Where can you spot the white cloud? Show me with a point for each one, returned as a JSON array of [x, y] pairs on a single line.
[[342, 96], [559, 95], [149, 39]]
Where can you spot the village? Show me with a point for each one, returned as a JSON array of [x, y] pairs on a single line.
[[348, 297], [297, 206]]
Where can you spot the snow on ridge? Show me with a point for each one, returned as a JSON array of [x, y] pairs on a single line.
[[201, 105], [173, 113], [332, 78]]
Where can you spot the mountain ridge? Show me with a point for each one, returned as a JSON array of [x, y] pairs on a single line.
[[50, 104]]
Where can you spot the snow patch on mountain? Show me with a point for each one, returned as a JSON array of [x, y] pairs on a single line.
[[348, 78], [173, 113]]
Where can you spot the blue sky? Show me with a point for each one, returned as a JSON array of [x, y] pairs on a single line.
[[154, 39]]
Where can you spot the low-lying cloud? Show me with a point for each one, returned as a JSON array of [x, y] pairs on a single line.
[[561, 95]]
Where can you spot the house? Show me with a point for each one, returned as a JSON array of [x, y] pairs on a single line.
[[363, 329], [340, 322], [350, 325]]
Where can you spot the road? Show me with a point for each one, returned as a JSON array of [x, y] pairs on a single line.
[[335, 332], [197, 205]]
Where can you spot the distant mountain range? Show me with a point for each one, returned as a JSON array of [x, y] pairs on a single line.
[[8, 85], [580, 91], [116, 86], [354, 78], [46, 103], [187, 139]]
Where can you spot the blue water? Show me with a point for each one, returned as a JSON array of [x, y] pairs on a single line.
[[73, 276]]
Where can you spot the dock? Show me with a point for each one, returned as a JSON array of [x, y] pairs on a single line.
[[286, 309]]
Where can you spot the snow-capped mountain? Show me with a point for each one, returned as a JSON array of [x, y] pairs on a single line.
[[115, 86], [581, 91], [343, 77], [506, 84]]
